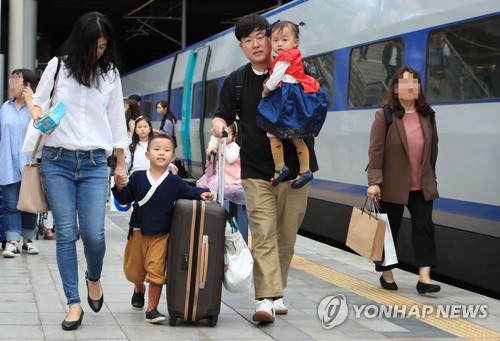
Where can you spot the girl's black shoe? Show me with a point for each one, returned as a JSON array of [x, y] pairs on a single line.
[[282, 174], [424, 288], [72, 325], [387, 285]]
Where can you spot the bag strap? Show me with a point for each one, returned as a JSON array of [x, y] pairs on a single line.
[[56, 76], [36, 148], [238, 86], [388, 117], [153, 188]]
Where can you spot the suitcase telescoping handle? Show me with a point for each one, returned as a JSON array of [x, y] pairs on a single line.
[[221, 168]]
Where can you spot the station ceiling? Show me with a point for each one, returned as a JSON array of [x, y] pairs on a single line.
[[151, 38]]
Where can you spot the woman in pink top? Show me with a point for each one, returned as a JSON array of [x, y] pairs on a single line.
[[402, 171]]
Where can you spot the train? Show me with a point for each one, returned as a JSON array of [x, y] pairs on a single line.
[[453, 44]]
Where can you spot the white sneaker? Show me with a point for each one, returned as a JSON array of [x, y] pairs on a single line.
[[280, 307], [30, 248], [11, 251], [264, 311]]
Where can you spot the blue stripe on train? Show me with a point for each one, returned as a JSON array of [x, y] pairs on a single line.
[[465, 208]]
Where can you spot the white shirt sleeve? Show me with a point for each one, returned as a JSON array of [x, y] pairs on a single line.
[[278, 74], [116, 113], [232, 152], [95, 118], [45, 85]]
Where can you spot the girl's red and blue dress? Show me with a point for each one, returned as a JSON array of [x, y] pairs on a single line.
[[293, 110]]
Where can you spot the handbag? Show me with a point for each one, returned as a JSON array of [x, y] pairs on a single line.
[[32, 194], [238, 261], [366, 233]]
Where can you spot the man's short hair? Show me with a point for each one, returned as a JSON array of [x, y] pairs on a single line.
[[249, 24]]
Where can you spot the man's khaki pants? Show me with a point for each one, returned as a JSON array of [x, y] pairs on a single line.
[[274, 215]]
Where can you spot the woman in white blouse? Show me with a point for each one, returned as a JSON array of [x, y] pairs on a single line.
[[74, 164]]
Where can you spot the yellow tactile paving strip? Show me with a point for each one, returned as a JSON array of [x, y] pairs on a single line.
[[455, 326]]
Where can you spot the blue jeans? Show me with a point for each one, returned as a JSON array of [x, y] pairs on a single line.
[[16, 222], [76, 182]]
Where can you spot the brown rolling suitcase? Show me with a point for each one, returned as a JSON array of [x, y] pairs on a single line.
[[195, 263], [195, 260]]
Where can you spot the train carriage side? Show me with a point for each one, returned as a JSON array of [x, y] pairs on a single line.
[[467, 216]]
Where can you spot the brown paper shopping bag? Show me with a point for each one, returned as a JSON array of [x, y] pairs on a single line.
[[366, 234]]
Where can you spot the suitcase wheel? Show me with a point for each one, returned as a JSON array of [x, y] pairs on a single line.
[[212, 322], [172, 321]]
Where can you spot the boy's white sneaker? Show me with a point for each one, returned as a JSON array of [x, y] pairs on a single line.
[[264, 311], [279, 307]]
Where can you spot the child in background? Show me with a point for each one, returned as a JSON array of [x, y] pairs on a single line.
[[233, 191], [146, 249], [136, 157], [293, 105]]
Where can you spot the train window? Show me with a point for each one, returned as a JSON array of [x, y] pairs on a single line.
[[212, 97], [463, 61], [321, 68], [196, 100], [371, 70]]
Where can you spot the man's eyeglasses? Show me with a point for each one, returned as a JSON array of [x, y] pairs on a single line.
[[249, 42]]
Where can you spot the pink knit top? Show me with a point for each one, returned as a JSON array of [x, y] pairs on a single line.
[[416, 143]]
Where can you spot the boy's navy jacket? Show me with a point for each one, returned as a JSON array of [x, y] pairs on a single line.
[[154, 217]]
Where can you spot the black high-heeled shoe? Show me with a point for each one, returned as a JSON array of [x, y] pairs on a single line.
[[72, 325], [386, 285], [424, 288], [95, 305]]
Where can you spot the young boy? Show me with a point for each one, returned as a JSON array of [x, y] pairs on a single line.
[[146, 249]]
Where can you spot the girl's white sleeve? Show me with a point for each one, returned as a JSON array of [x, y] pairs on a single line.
[[116, 112], [232, 152], [213, 143], [278, 73]]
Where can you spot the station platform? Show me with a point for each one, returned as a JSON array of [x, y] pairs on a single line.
[[331, 295]]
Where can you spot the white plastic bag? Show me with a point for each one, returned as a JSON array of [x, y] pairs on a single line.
[[238, 262], [390, 256]]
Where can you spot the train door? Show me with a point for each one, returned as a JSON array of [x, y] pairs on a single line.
[[193, 103]]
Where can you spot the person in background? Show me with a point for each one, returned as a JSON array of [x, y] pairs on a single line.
[[132, 112], [274, 212], [402, 171], [14, 121], [74, 158], [392, 58], [168, 121], [233, 191], [146, 249], [136, 157], [137, 98]]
